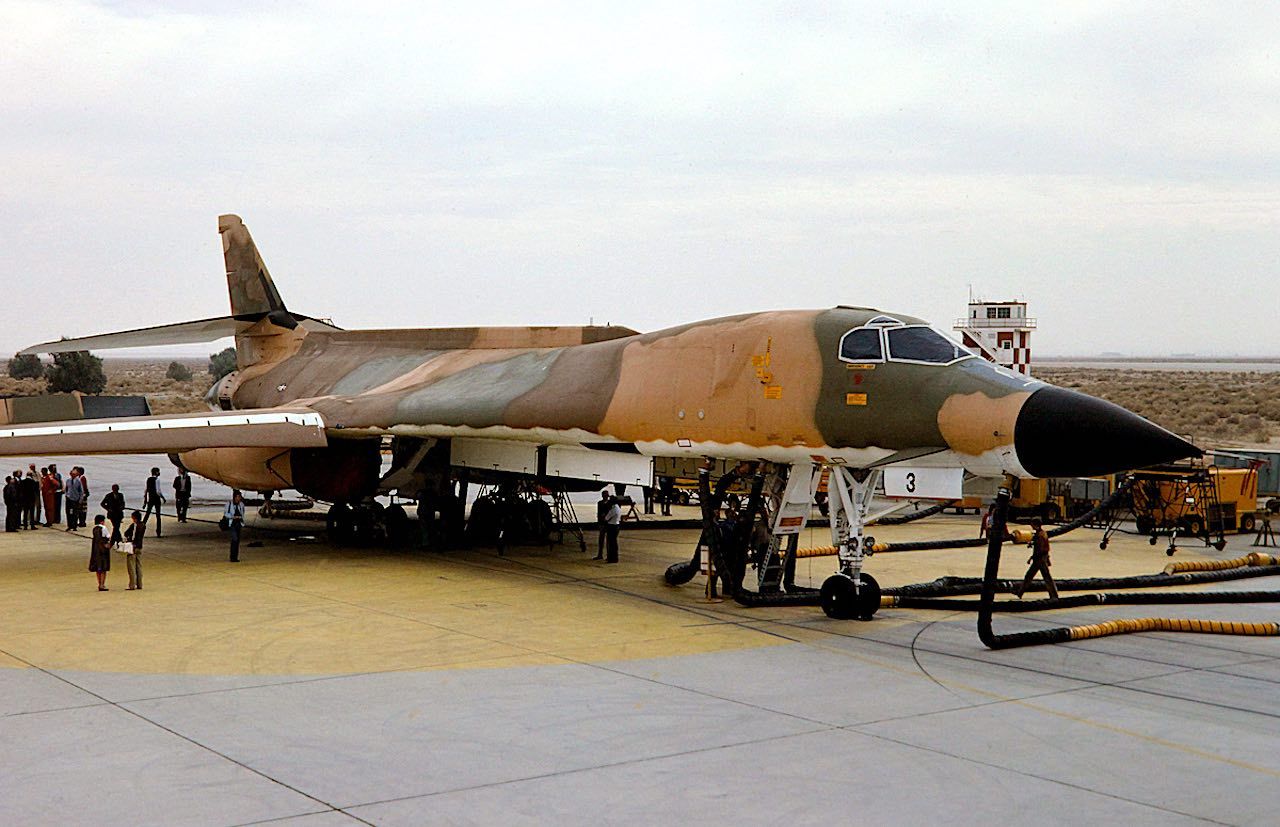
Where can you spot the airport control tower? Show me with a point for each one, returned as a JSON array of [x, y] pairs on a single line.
[[1001, 332]]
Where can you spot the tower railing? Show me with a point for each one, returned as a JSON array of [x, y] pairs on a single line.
[[1024, 323]]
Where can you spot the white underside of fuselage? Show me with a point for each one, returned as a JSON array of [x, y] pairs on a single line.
[[993, 463]]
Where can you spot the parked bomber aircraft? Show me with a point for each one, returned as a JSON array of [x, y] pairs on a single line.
[[310, 404]]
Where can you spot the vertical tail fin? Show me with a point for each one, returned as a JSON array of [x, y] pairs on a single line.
[[253, 294]]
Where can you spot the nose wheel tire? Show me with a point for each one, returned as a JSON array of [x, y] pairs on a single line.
[[841, 600]]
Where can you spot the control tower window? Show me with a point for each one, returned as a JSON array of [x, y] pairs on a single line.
[[924, 344], [861, 345]]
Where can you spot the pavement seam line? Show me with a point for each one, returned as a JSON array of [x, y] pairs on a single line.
[[183, 737], [1025, 774], [605, 766]]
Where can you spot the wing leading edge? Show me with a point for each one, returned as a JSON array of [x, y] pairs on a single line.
[[267, 427], [203, 330]]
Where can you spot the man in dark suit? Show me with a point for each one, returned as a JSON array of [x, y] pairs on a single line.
[[181, 494], [11, 506], [113, 504], [602, 509], [30, 493], [152, 499]]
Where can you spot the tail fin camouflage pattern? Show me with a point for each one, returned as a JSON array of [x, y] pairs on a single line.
[[253, 294]]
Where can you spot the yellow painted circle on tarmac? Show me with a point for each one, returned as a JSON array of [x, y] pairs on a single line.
[[293, 608]]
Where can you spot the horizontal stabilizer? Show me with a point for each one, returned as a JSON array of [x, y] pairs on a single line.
[[266, 428], [204, 330]]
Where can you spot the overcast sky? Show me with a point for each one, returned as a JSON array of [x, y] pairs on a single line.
[[1116, 165]]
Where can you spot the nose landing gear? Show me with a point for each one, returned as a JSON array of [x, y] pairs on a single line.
[[850, 594], [842, 599]]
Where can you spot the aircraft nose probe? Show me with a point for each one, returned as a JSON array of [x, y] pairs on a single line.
[[1064, 433]]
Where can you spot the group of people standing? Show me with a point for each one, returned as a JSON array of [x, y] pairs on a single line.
[[39, 498], [109, 531], [106, 538], [34, 499]]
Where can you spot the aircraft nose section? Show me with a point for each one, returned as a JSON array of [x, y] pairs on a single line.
[[1064, 433]]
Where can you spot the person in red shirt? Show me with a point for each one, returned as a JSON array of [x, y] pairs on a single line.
[[48, 492]]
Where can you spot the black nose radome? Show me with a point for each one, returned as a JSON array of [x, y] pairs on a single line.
[[1062, 433]]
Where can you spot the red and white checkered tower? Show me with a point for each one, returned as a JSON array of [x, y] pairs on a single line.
[[1001, 332]]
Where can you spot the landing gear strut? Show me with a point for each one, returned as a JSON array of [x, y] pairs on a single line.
[[849, 593]]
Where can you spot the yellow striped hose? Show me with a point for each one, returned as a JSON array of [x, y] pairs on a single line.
[[1170, 624], [1251, 559]]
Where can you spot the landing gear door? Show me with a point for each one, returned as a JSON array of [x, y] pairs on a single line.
[[797, 500], [923, 483]]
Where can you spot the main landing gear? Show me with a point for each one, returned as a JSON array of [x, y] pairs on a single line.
[[368, 523], [850, 593]]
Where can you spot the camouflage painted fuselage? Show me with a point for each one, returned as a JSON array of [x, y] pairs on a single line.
[[761, 386], [847, 385]]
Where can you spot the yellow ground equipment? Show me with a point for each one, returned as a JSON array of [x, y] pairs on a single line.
[[1189, 500], [1206, 500], [1050, 500]]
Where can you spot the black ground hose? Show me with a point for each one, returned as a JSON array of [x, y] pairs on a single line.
[[678, 574], [1062, 634], [1078, 600], [755, 600], [995, 539], [929, 545], [957, 586], [977, 542], [724, 566], [915, 515], [1088, 516]]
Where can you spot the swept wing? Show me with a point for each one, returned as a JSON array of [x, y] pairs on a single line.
[[268, 427], [201, 330]]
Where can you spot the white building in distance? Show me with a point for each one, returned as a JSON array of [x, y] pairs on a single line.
[[1001, 332]]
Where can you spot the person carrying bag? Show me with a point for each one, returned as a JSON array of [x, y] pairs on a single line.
[[131, 545], [233, 521]]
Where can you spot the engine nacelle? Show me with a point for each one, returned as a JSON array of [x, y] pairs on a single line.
[[249, 469], [344, 471]]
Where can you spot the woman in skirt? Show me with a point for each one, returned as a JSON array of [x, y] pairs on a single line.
[[100, 553]]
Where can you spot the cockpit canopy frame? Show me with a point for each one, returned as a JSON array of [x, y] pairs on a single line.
[[886, 339]]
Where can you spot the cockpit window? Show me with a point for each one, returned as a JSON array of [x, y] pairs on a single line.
[[923, 344], [861, 345]]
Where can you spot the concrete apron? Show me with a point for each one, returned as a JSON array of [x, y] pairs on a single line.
[[327, 685]]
